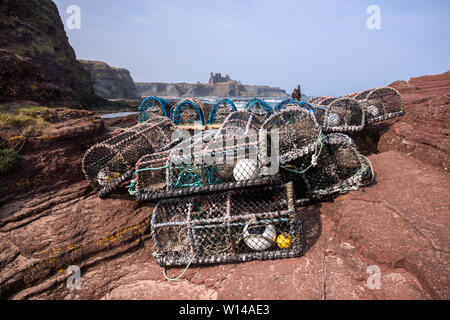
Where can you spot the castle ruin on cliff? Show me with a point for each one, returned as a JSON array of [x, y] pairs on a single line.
[[217, 77]]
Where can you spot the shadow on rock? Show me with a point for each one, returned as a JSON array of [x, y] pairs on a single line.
[[312, 225]]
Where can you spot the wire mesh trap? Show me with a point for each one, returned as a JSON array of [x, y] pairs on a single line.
[[257, 224], [383, 104], [259, 108], [189, 114], [325, 101], [108, 164], [240, 120], [220, 112], [228, 161], [151, 177], [340, 167], [153, 106], [344, 115], [314, 100], [360, 95], [290, 103], [298, 133]]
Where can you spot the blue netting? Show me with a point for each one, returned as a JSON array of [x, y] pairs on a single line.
[[300, 104], [212, 115], [148, 105], [179, 108], [195, 176], [259, 103]]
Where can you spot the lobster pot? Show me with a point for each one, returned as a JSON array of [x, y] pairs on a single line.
[[360, 96], [293, 104], [189, 114], [382, 104], [152, 107], [284, 103], [319, 113], [229, 227], [314, 100], [240, 121], [150, 174], [220, 112], [339, 168], [326, 101], [298, 133], [227, 162], [152, 170], [259, 108], [108, 164], [344, 115]]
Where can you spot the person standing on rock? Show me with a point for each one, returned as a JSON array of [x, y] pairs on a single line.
[[297, 94]]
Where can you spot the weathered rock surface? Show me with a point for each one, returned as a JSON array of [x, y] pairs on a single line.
[[402, 230], [33, 29], [110, 82], [21, 78], [121, 122], [423, 133], [52, 158]]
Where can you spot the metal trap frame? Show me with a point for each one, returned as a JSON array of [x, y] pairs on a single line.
[[260, 108], [189, 114], [339, 168], [344, 115], [107, 165], [187, 174], [153, 106], [152, 174], [220, 112], [229, 227], [298, 129], [383, 104]]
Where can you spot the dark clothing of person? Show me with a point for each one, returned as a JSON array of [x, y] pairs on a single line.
[[297, 94]]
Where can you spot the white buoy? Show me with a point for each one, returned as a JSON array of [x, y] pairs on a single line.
[[245, 169], [105, 176], [372, 110], [260, 238], [334, 120]]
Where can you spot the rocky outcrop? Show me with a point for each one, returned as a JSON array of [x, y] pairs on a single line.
[[21, 79], [109, 82], [33, 30], [404, 234], [51, 159], [218, 89], [423, 133]]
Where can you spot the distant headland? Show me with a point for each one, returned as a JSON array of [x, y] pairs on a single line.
[[217, 86]]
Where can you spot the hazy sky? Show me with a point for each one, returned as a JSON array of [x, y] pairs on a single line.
[[324, 45]]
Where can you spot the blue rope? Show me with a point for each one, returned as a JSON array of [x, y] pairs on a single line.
[[131, 188], [192, 177], [212, 115], [283, 104], [261, 103], [179, 108], [152, 101], [300, 104]]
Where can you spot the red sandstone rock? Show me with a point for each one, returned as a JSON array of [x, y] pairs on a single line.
[[423, 132], [52, 159], [399, 224]]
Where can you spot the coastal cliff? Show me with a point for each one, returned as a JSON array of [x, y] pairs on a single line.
[[33, 38], [110, 82], [217, 87]]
